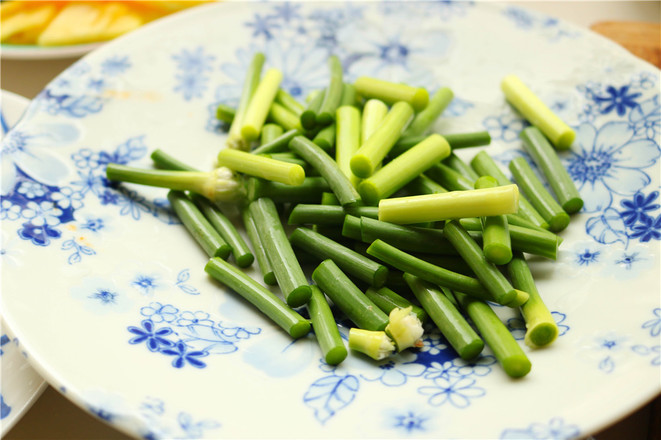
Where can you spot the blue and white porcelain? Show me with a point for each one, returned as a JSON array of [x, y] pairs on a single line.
[[20, 385], [108, 297]]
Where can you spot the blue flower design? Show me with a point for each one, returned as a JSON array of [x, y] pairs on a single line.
[[158, 312], [4, 408], [105, 296], [654, 325], [194, 60], [647, 229], [145, 283], [194, 318], [505, 127], [628, 259], [587, 257], [155, 338], [646, 118], [191, 85], [182, 355], [393, 374], [67, 198], [115, 65], [638, 208], [93, 224], [556, 429], [263, 25], [618, 99], [410, 422], [31, 190], [9, 210], [610, 161], [457, 392], [38, 235]]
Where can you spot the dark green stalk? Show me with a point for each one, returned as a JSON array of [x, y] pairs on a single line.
[[456, 141], [348, 298], [349, 261], [258, 248], [308, 192], [406, 238], [333, 94], [309, 116], [327, 168], [503, 345], [164, 161], [277, 145], [488, 274], [240, 250], [540, 198], [327, 214], [198, 226], [424, 185], [325, 329], [427, 271], [447, 318], [455, 162], [484, 165], [287, 269], [260, 297], [449, 178], [351, 227], [546, 158], [387, 300], [326, 138]]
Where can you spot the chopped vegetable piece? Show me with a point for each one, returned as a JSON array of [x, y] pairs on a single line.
[[326, 138], [427, 271], [540, 198], [287, 101], [449, 178], [540, 325], [376, 147], [456, 141], [308, 118], [424, 185], [404, 328], [351, 227], [484, 165], [374, 111], [426, 117], [546, 158], [225, 113], [455, 162], [405, 238], [488, 274], [277, 145], [447, 318], [348, 95], [348, 125], [325, 328], [287, 269], [259, 296], [240, 250], [403, 169], [454, 204], [281, 115], [260, 166], [328, 168], [218, 185], [164, 161], [387, 300], [391, 93], [258, 248], [270, 132], [250, 83], [309, 191], [375, 344], [346, 259], [496, 242], [348, 298], [327, 214], [498, 337], [333, 94], [260, 104], [537, 113], [198, 226]]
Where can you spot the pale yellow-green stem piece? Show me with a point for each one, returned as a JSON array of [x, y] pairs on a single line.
[[537, 113], [403, 169], [450, 205], [390, 92], [375, 344], [260, 104], [404, 328], [260, 166]]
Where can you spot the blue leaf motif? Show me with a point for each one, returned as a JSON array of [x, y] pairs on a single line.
[[607, 228], [331, 394], [607, 365], [207, 338], [183, 276]]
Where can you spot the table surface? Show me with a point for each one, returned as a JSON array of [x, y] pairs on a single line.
[[54, 417]]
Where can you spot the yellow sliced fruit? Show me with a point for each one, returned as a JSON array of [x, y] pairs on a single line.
[[25, 23], [79, 23]]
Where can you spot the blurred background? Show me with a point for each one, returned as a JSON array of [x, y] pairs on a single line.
[[633, 24]]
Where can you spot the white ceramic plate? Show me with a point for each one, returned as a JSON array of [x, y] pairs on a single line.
[[21, 385], [108, 296], [33, 52]]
